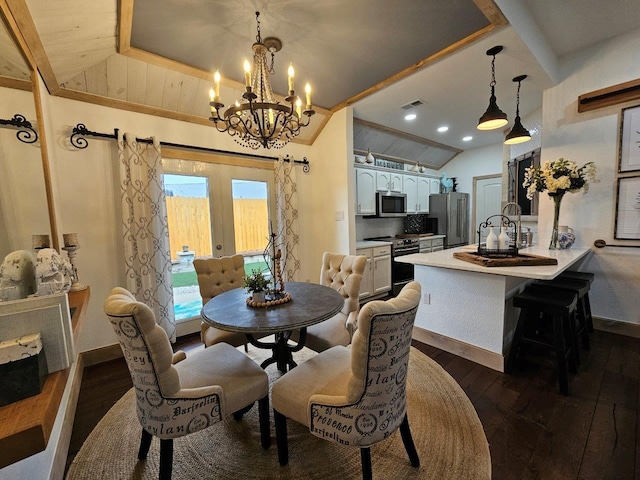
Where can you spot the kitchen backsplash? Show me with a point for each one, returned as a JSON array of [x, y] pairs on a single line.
[[378, 227]]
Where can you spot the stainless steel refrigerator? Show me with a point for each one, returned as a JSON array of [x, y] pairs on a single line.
[[452, 212]]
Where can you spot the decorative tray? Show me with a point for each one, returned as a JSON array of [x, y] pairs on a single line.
[[520, 260]]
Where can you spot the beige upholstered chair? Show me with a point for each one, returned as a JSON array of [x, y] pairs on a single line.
[[215, 276], [343, 273], [355, 395], [175, 399]]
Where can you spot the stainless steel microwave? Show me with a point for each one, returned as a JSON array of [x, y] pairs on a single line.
[[391, 204]]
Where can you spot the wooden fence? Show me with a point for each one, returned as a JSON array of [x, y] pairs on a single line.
[[190, 224]]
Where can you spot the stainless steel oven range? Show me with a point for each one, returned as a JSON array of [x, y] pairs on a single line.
[[401, 273]]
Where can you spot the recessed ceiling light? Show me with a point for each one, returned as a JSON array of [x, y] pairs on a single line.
[[410, 116], [443, 129], [468, 138]]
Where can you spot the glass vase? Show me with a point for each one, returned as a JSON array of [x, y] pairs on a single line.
[[553, 244]]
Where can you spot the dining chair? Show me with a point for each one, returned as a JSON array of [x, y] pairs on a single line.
[[355, 395], [343, 273], [215, 276], [177, 395]]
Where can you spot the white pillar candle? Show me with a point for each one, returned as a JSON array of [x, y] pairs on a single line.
[[70, 239]]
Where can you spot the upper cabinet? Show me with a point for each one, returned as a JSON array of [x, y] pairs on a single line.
[[365, 191], [389, 181], [417, 190], [424, 190]]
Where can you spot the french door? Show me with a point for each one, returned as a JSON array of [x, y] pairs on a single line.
[[213, 210]]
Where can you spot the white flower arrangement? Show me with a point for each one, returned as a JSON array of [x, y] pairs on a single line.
[[559, 177]]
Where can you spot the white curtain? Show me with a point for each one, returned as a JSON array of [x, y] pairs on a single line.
[[287, 218], [145, 228]]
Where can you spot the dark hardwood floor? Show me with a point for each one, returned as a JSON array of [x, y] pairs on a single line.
[[533, 431]]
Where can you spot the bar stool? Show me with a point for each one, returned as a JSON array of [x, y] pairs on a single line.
[[587, 277], [537, 306], [580, 288]]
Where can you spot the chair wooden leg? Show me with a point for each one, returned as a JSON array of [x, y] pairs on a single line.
[[365, 459], [281, 437], [407, 439], [237, 416], [145, 443], [166, 458], [265, 424]]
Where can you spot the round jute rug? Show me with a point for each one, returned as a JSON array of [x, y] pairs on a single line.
[[447, 432]]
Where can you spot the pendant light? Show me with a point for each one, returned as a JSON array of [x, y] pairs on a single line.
[[518, 133], [494, 117]]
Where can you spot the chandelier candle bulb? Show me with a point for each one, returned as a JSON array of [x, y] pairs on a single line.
[[307, 90], [291, 73], [247, 73], [216, 87], [299, 108], [271, 116]]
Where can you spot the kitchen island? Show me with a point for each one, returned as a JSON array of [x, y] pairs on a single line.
[[466, 309]]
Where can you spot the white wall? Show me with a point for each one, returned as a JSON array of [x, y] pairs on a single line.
[[593, 137]]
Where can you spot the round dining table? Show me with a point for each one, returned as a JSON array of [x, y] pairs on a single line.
[[310, 304]]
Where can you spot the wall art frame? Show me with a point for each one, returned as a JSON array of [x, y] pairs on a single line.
[[627, 221], [629, 156]]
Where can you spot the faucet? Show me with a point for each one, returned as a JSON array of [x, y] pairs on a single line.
[[519, 222]]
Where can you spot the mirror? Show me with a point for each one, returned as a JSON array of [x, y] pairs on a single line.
[[23, 199]]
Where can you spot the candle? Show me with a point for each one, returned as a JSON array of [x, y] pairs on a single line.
[[70, 239], [271, 116], [216, 86], [247, 73], [212, 98], [290, 78], [40, 241], [307, 89], [299, 107]]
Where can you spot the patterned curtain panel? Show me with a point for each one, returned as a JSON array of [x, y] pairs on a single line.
[[145, 228], [287, 218]]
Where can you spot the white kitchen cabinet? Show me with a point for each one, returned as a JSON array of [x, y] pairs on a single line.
[[434, 185], [423, 192], [365, 191], [410, 189], [376, 278], [389, 181], [428, 244]]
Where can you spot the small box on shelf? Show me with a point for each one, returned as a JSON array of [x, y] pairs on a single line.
[[23, 368]]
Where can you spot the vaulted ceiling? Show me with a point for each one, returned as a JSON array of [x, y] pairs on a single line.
[[158, 56]]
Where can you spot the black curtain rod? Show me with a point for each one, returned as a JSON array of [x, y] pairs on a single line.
[[80, 131], [601, 244]]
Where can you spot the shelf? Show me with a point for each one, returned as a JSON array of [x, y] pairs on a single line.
[[25, 426]]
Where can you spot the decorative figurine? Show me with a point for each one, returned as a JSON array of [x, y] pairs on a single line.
[[17, 275], [54, 273]]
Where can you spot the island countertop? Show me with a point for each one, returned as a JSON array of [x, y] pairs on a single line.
[[445, 259]]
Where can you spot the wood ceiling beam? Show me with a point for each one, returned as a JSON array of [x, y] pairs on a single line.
[[492, 12], [125, 24], [33, 47], [606, 97], [16, 83]]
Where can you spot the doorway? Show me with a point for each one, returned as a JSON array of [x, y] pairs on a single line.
[[487, 198], [213, 210]]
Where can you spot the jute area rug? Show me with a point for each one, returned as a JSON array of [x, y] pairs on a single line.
[[447, 432]]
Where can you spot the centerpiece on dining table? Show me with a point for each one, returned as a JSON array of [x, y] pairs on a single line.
[[265, 292], [557, 178]]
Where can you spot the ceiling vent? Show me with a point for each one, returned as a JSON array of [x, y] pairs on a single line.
[[414, 104]]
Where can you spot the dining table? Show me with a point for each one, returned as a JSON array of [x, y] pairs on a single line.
[[310, 304]]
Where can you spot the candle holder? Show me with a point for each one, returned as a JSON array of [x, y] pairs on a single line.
[[71, 247]]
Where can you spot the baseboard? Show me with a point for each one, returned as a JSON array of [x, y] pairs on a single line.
[[476, 354], [102, 354], [616, 326]]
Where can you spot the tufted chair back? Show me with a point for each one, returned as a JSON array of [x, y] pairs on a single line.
[[149, 356], [343, 273], [217, 275], [375, 399]]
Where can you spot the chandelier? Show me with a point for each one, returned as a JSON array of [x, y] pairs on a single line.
[[259, 119]]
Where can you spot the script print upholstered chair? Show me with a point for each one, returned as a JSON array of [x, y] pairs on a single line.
[[176, 395], [215, 276], [343, 273], [355, 395]]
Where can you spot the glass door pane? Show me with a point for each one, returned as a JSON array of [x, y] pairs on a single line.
[[189, 219], [251, 222]]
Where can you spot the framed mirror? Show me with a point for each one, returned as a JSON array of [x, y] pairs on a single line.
[[23, 199]]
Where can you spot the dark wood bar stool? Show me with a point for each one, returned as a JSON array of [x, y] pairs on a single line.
[[587, 277], [536, 307], [580, 288]]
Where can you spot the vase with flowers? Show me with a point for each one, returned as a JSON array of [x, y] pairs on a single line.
[[557, 178]]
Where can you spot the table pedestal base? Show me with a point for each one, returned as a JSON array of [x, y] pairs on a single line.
[[282, 350]]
